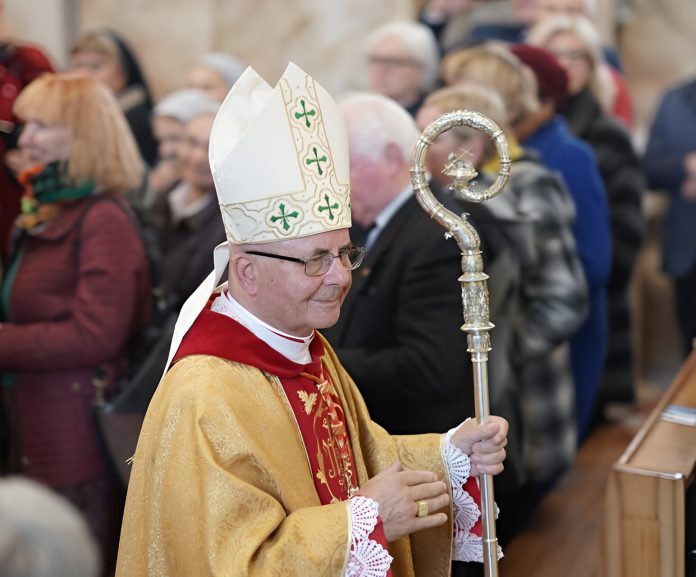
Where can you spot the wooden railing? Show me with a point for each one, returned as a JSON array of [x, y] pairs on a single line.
[[645, 520]]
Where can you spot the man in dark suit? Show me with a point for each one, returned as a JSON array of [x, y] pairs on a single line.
[[398, 334]]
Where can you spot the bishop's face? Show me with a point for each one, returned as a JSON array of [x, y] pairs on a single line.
[[290, 300]]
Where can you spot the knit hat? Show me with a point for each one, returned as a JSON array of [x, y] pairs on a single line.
[[185, 104], [552, 78], [228, 67]]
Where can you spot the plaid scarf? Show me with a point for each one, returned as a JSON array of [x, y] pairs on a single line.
[[46, 189]]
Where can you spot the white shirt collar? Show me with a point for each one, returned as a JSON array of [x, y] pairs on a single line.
[[386, 215], [295, 349]]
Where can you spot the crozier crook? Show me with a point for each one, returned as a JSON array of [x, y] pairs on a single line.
[[473, 280]]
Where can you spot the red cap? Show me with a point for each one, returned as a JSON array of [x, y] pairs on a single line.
[[551, 76]]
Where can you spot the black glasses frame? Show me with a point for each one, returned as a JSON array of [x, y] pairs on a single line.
[[354, 263]]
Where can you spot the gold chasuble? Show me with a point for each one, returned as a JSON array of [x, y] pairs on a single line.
[[244, 469]]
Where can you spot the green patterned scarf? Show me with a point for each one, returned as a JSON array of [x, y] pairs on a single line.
[[45, 189]]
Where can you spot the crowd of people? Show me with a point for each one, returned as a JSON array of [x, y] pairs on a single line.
[[110, 213]]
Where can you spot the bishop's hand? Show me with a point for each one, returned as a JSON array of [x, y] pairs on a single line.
[[406, 499], [485, 444]]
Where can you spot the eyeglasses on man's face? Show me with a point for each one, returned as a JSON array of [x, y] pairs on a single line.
[[572, 55], [351, 257], [394, 62]]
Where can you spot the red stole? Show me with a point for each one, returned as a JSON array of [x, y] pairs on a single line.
[[311, 395]]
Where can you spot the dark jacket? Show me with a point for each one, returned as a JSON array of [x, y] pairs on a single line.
[[398, 335], [623, 178], [672, 136], [187, 248]]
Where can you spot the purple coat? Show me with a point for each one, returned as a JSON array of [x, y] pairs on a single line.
[[80, 292]]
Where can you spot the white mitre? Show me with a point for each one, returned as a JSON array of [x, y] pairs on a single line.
[[279, 159]]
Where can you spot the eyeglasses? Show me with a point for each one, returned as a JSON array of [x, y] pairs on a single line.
[[560, 10], [351, 258], [572, 55], [395, 62]]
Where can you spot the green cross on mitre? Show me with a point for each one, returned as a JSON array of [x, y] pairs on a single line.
[[316, 160], [305, 113], [284, 216], [327, 206]]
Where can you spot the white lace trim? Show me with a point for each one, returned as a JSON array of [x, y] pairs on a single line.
[[466, 546], [367, 558], [469, 547]]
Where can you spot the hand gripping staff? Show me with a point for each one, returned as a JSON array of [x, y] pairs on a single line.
[[473, 280]]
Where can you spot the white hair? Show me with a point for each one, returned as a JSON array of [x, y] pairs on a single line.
[[42, 534], [228, 67], [591, 9], [374, 121], [418, 40], [185, 104]]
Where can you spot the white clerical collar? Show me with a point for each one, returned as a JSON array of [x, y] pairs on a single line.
[[386, 215], [295, 349]]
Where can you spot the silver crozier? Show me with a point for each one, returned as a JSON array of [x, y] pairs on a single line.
[[473, 280]]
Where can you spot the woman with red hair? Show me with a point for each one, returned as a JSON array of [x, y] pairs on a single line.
[[74, 293]]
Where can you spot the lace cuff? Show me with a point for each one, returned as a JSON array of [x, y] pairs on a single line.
[[367, 557], [467, 545]]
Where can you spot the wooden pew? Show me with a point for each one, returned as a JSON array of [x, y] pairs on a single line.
[[645, 520]]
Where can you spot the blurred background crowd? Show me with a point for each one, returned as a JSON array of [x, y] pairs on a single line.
[[108, 215]]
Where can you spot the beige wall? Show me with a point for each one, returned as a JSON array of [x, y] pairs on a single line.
[[49, 31], [322, 36], [659, 49]]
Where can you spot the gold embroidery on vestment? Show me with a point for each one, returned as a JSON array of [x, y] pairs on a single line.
[[308, 399]]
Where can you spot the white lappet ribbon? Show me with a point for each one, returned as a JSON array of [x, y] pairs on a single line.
[[198, 299]]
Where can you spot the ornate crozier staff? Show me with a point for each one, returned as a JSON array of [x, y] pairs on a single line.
[[473, 279]]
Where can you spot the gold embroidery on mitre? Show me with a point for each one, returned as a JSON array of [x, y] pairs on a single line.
[[307, 196], [328, 198]]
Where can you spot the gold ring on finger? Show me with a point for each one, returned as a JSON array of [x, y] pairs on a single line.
[[422, 508]]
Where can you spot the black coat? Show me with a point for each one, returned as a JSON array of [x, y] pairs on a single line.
[[398, 335], [399, 338], [187, 247], [624, 181], [622, 172]]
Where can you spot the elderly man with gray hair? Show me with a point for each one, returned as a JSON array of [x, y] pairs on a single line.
[[398, 336], [403, 62]]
